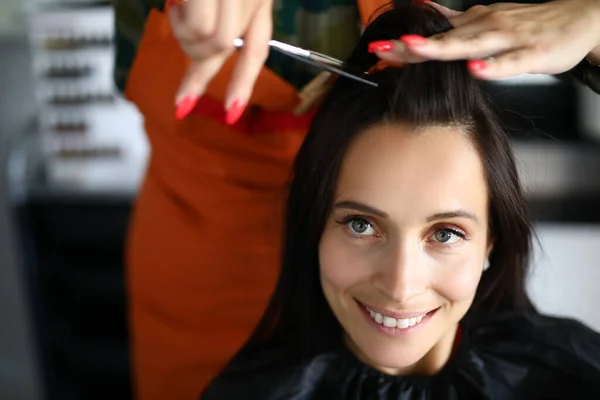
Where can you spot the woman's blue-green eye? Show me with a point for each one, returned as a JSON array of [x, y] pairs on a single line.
[[446, 236], [361, 226]]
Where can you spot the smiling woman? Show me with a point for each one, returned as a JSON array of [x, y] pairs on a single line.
[[403, 196], [405, 240]]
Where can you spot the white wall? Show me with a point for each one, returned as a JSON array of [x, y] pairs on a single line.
[[566, 272]]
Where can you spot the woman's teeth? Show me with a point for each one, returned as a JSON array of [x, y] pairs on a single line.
[[389, 322]]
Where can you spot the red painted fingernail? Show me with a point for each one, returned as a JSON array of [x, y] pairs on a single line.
[[417, 2], [171, 3], [185, 106], [235, 112], [414, 40], [477, 65], [380, 45]]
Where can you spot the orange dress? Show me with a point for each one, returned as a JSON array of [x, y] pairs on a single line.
[[204, 242]]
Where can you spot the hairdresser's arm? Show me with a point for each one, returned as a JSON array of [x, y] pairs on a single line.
[[548, 38], [206, 30]]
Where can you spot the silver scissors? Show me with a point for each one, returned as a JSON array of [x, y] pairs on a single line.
[[315, 59]]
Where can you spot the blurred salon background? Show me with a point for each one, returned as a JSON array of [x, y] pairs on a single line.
[[72, 153]]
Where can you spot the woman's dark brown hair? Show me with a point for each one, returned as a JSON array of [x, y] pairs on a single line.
[[298, 317]]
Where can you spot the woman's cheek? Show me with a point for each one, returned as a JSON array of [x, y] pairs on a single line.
[[342, 263], [458, 279]]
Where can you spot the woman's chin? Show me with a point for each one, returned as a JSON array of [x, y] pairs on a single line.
[[391, 359]]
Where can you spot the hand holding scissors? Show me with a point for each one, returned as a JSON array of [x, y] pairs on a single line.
[[209, 51], [205, 30]]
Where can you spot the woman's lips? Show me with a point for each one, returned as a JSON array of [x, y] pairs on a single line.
[[395, 322], [398, 314]]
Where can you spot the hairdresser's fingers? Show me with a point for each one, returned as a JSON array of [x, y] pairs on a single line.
[[512, 63], [473, 40], [493, 14], [469, 16], [462, 44], [394, 51], [228, 25], [193, 20], [193, 85], [250, 62], [475, 36], [205, 28], [445, 11], [415, 49]]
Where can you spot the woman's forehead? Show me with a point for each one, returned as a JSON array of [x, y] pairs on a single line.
[[393, 168]]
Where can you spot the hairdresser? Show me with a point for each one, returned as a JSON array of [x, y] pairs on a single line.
[[205, 236]]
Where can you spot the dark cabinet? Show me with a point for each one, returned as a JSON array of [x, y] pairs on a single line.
[[74, 259]]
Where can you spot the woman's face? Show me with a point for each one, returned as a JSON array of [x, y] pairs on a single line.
[[403, 250]]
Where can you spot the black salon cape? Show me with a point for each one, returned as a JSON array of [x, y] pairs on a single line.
[[504, 357]]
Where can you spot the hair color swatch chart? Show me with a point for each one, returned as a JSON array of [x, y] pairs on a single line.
[[90, 136]]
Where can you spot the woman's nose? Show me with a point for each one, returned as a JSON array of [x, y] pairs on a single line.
[[402, 273]]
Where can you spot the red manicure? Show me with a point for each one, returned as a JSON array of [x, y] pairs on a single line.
[[414, 40], [477, 65], [235, 112], [380, 45], [185, 106], [171, 3]]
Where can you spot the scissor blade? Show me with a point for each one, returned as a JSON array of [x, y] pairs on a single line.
[[315, 59], [334, 69]]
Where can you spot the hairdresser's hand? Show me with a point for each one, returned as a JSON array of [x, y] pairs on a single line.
[[508, 39], [206, 30]]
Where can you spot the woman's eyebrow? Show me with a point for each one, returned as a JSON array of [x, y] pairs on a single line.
[[453, 214], [355, 205]]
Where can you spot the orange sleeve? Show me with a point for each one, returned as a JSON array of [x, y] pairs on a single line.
[[368, 9]]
